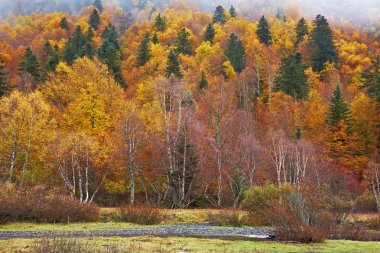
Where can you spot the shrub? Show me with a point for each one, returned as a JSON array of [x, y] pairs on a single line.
[[289, 226], [40, 205], [139, 214], [365, 203], [228, 218], [68, 245], [374, 223], [257, 199]]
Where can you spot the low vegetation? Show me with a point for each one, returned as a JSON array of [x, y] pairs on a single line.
[[38, 204]]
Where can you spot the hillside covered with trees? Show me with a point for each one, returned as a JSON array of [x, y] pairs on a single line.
[[186, 108]]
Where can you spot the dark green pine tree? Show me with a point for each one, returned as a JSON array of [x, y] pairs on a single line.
[[172, 66], [292, 79], [263, 32], [46, 52], [203, 83], [98, 4], [29, 64], [236, 53], [160, 23], [143, 53], [301, 30], [209, 34], [111, 56], [155, 39], [54, 60], [219, 15], [88, 49], [233, 12], [110, 34], [94, 20], [110, 53], [372, 82], [338, 109], [321, 44], [64, 24], [3, 83], [79, 45], [182, 44], [372, 79]]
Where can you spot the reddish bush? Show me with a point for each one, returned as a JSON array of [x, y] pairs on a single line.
[[40, 205], [139, 214]]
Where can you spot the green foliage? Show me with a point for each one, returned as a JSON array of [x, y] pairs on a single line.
[[219, 15], [79, 46], [209, 34], [29, 63], [372, 78], [292, 79], [3, 83], [183, 45], [64, 24], [263, 32], [236, 53], [172, 66], [339, 109], [321, 44], [94, 20], [98, 4], [233, 12], [203, 83], [110, 34], [110, 53], [143, 54], [155, 39], [160, 23], [258, 198], [301, 30]]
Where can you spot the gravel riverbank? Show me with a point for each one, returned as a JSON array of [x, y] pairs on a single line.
[[189, 230]]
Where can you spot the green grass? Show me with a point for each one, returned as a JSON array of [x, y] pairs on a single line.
[[27, 226], [176, 244]]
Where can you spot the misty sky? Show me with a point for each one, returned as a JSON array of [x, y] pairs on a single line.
[[351, 10]]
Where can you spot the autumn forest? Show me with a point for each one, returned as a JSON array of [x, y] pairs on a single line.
[[178, 107]]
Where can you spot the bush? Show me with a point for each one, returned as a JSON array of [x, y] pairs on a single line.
[[257, 199], [365, 203], [289, 226], [374, 223], [40, 205], [139, 214], [228, 218], [68, 245]]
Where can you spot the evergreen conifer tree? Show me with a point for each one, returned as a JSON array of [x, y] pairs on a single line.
[[292, 79], [172, 66], [29, 63], [209, 34], [338, 110], [203, 83], [236, 53], [263, 32], [183, 45], [3, 83], [54, 60], [64, 24], [219, 15], [301, 30], [94, 20], [160, 23], [233, 12], [143, 54], [98, 4], [321, 44], [155, 39]]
